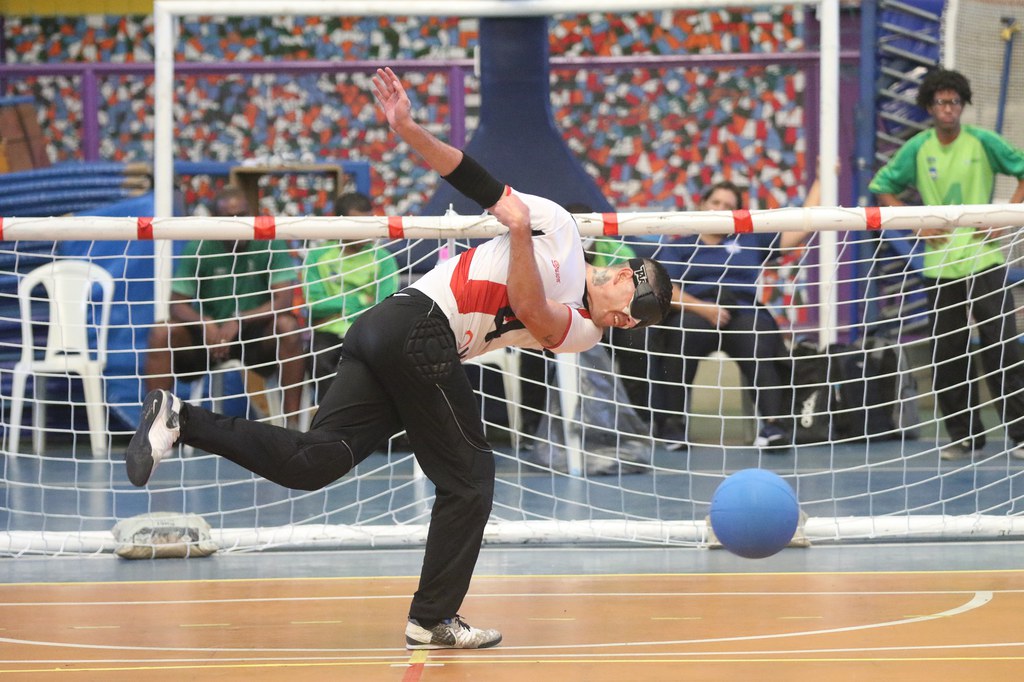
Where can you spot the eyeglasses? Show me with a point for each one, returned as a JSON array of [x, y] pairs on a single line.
[[946, 102]]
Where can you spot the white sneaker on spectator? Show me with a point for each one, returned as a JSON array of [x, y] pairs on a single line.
[[159, 428], [1018, 450], [959, 450], [773, 437], [673, 433]]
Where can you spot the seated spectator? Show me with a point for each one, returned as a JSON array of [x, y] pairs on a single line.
[[342, 279], [716, 308], [230, 300]]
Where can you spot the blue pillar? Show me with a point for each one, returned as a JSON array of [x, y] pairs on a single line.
[[518, 140]]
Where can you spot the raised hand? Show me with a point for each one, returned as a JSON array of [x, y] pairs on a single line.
[[392, 97]]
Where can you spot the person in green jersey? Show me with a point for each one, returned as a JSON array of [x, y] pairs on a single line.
[[955, 163], [342, 279], [230, 300]]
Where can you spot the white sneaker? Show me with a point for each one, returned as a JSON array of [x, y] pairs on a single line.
[[773, 436], [1018, 450], [958, 451], [450, 633], [158, 431]]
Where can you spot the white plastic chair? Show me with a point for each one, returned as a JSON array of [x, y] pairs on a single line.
[[68, 285]]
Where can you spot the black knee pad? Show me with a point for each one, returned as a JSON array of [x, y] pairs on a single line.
[[431, 347]]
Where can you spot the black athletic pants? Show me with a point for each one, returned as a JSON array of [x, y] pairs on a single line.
[[399, 368], [751, 338], [984, 297]]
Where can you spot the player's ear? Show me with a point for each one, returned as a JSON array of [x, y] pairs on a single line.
[[625, 273]]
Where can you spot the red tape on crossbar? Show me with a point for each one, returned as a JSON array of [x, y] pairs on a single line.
[[873, 216], [742, 221], [144, 228], [264, 227], [611, 224], [395, 228]]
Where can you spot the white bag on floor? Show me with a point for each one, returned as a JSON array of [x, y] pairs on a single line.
[[613, 437], [163, 535]]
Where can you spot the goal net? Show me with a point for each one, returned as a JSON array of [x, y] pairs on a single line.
[[580, 463], [581, 456]]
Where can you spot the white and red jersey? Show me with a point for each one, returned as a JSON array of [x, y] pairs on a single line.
[[472, 287]]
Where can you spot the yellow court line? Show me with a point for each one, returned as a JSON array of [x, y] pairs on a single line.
[[505, 577], [577, 661], [95, 627]]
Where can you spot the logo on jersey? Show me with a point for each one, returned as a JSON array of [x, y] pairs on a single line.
[[558, 271]]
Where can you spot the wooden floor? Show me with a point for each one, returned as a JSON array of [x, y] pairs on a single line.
[[928, 625]]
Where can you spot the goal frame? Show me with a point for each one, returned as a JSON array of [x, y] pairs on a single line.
[[167, 12]]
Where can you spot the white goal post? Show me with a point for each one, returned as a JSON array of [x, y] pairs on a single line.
[[853, 490], [890, 486], [821, 219], [166, 12]]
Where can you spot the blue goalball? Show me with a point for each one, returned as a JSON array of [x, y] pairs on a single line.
[[754, 513]]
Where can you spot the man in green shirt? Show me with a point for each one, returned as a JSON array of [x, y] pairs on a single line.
[[342, 279], [949, 164], [230, 300]]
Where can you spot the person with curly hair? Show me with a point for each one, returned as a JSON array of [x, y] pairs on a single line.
[[954, 163]]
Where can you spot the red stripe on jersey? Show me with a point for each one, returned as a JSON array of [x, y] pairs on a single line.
[[742, 221], [568, 326], [395, 228], [264, 227], [476, 295], [611, 224], [484, 296], [874, 217], [144, 228], [1, 229]]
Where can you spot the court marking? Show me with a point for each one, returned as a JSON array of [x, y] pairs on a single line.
[[527, 576], [503, 595], [979, 599]]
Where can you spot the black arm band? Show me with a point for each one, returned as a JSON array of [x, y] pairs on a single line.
[[474, 182]]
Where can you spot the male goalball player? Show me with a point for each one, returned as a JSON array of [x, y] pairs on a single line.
[[400, 368]]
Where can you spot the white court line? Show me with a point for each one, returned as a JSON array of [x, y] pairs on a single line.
[[979, 599], [502, 595], [442, 655]]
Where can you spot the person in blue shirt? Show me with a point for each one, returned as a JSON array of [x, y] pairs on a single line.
[[715, 308]]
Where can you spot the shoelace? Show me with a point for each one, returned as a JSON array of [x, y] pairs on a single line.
[[457, 620]]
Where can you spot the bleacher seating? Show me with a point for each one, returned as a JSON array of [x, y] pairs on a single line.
[[70, 188]]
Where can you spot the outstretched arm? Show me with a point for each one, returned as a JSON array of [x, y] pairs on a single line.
[[388, 90], [545, 319]]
